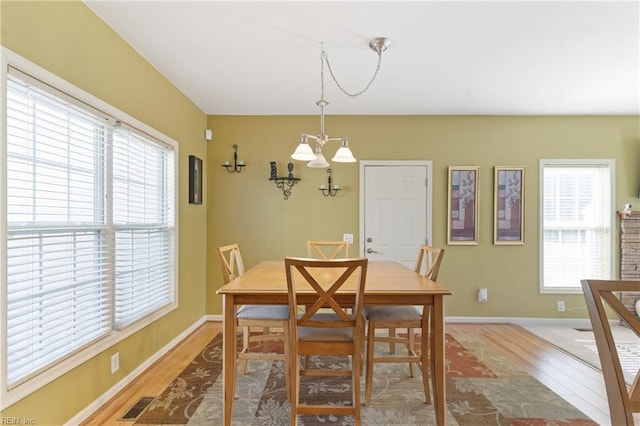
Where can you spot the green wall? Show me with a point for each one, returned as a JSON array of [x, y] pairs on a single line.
[[247, 208], [68, 39]]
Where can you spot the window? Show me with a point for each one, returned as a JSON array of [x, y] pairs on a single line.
[[89, 227], [577, 222]]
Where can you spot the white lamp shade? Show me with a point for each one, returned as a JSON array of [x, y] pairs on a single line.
[[344, 155], [303, 152], [319, 162]]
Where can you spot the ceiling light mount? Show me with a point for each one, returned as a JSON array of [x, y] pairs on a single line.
[[344, 155], [379, 44]]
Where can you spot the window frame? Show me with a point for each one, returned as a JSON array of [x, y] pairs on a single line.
[[23, 389], [610, 165]]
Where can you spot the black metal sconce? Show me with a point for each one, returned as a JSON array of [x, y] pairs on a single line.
[[237, 165], [329, 189], [284, 183]]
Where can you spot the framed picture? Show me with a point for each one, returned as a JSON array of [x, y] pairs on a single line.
[[195, 180], [462, 224], [508, 205]]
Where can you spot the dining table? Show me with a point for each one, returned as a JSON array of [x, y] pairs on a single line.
[[387, 283]]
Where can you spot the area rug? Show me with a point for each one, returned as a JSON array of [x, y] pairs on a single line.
[[483, 388]]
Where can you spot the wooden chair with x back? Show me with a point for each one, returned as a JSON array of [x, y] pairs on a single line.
[[393, 317], [327, 249], [266, 317], [623, 402], [339, 332]]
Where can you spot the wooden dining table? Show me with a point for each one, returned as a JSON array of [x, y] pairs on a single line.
[[387, 283]]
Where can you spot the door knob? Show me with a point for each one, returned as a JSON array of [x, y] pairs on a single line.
[[371, 251]]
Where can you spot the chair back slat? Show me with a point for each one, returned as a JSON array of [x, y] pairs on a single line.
[[320, 281], [429, 259], [623, 402], [327, 249], [230, 262]]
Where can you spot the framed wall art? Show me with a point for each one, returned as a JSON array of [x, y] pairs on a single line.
[[462, 223], [195, 180], [508, 205]]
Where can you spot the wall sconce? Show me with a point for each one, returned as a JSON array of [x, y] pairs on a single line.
[[284, 183], [237, 165], [329, 189]]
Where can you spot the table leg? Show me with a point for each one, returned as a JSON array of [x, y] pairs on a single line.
[[424, 350], [437, 358], [228, 357]]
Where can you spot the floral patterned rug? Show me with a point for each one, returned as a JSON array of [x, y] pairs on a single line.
[[483, 388]]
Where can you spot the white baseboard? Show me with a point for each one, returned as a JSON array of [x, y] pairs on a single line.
[[113, 391]]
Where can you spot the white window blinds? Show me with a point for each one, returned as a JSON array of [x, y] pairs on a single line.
[[90, 226], [58, 296], [576, 222], [143, 220]]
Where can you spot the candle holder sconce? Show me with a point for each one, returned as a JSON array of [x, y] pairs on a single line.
[[284, 183], [237, 166], [330, 189]]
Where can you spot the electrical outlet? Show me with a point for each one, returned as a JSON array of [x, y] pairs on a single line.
[[348, 238], [482, 295], [115, 362], [560, 305]]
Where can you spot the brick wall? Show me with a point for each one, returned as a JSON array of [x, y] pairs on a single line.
[[630, 255]]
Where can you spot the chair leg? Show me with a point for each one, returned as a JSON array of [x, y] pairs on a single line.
[[369, 375], [392, 346], [411, 350], [245, 348], [356, 367], [265, 343], [287, 361], [294, 387], [424, 357]]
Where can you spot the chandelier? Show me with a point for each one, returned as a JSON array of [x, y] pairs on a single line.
[[314, 156]]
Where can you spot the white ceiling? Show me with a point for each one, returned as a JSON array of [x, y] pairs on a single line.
[[448, 57]]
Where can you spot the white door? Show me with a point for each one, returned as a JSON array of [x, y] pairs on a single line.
[[395, 209]]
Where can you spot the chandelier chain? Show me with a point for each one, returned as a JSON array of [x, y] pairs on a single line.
[[324, 57]]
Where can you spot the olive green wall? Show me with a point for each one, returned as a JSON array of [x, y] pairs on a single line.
[[247, 208], [68, 39]]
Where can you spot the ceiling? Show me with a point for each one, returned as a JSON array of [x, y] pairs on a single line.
[[448, 57]]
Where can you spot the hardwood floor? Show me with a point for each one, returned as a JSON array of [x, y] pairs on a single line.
[[156, 378], [579, 383]]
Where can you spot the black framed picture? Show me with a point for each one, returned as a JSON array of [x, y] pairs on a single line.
[[195, 180]]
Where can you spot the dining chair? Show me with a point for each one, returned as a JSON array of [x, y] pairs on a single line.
[[623, 401], [409, 317], [267, 317], [315, 283], [327, 249]]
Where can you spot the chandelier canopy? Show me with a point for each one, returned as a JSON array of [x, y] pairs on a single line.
[[314, 156]]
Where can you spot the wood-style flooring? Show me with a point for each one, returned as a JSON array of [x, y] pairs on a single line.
[[579, 383]]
